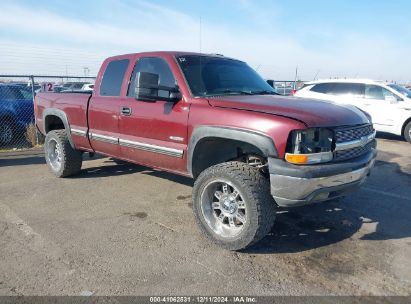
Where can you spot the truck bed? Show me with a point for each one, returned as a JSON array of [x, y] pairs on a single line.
[[71, 105]]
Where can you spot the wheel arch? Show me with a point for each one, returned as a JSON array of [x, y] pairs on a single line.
[[55, 119], [9, 119], [407, 121], [210, 145]]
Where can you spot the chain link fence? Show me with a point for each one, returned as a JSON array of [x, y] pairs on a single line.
[[285, 87], [17, 127]]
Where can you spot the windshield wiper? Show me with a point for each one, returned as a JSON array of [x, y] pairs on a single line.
[[264, 92], [229, 91]]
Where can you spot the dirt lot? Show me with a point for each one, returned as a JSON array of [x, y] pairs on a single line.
[[120, 229]]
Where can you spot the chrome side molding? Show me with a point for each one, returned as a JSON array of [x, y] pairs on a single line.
[[132, 144], [151, 148], [78, 132], [104, 138]]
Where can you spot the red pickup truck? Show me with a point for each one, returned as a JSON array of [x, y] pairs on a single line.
[[216, 120]]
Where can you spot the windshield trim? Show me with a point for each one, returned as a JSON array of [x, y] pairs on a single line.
[[184, 76], [192, 95]]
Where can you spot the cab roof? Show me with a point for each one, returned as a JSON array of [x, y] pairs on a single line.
[[167, 53]]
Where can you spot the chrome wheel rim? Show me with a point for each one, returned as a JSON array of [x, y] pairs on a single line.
[[223, 208], [6, 134], [54, 154]]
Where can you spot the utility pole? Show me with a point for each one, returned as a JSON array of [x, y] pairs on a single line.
[[86, 71], [295, 77]]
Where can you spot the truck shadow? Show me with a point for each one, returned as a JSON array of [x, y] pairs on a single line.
[[22, 158], [115, 167], [22, 161], [310, 227], [318, 225]]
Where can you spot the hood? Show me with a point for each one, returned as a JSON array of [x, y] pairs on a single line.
[[313, 113]]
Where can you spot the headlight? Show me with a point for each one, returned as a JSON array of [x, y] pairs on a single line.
[[309, 146]]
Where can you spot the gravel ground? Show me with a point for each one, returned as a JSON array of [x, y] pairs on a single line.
[[122, 229]]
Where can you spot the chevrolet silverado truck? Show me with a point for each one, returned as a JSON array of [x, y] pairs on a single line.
[[216, 120]]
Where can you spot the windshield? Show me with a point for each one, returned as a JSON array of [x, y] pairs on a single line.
[[401, 90], [212, 75]]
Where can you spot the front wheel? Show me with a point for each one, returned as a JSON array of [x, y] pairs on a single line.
[[407, 132], [232, 205], [61, 158]]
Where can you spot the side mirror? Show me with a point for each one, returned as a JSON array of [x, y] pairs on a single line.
[[147, 88], [391, 99], [175, 95]]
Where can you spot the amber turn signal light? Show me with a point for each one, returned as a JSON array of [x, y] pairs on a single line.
[[296, 158]]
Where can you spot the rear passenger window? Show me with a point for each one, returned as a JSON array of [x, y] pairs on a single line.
[[355, 89], [153, 65], [324, 88], [113, 78]]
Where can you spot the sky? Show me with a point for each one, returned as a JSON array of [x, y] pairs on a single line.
[[323, 38]]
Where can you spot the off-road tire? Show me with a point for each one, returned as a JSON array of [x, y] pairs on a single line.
[[255, 190], [7, 127], [70, 159], [407, 132]]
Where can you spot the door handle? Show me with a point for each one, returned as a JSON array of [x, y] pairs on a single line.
[[125, 111]]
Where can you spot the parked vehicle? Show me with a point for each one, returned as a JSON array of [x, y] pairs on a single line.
[[400, 89], [284, 90], [389, 108], [74, 85], [16, 111], [216, 120], [88, 87], [58, 89]]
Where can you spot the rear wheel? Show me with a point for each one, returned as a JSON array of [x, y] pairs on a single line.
[[6, 132], [61, 158], [232, 205], [407, 132]]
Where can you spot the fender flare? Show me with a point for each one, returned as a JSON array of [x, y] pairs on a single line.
[[259, 140], [60, 114]]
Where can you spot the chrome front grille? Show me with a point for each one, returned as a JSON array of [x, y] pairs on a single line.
[[354, 152], [349, 134], [353, 142]]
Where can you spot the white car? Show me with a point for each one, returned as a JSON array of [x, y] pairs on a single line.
[[88, 87], [388, 106]]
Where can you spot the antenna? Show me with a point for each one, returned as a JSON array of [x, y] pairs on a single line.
[[200, 69], [316, 74], [200, 33]]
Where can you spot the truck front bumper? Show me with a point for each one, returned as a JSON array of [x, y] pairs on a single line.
[[296, 185]]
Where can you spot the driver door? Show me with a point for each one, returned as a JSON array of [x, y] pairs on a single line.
[[154, 133]]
